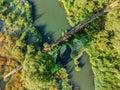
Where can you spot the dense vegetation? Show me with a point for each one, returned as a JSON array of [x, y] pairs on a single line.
[[17, 20], [101, 39], [19, 45]]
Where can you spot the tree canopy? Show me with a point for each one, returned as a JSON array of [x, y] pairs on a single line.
[[38, 69]]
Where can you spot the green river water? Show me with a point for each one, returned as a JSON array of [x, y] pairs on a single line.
[[53, 18]]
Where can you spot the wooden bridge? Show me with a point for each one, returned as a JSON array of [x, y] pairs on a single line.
[[80, 26]]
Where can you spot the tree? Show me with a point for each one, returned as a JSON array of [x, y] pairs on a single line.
[[38, 70]]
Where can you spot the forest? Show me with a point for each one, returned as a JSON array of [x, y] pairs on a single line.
[[101, 39], [20, 45]]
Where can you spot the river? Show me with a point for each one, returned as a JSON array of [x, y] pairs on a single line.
[[52, 17], [84, 79], [51, 21]]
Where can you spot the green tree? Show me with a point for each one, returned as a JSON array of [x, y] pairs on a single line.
[[38, 70]]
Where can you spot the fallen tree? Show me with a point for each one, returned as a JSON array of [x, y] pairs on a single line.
[[80, 26], [13, 71], [2, 82]]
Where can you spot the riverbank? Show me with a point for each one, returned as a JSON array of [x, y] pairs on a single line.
[[83, 79], [101, 39], [50, 19]]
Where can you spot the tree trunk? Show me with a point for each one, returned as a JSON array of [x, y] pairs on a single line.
[[14, 71]]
